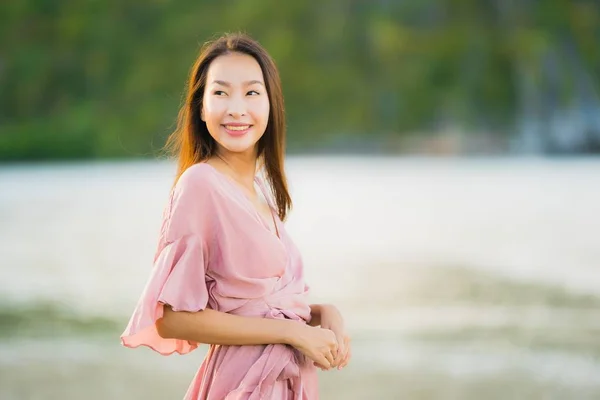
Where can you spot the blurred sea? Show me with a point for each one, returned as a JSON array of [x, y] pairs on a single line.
[[458, 278]]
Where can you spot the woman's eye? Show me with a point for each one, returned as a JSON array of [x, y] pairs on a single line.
[[219, 93], [253, 93]]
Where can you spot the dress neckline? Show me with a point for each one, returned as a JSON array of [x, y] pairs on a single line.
[[250, 203]]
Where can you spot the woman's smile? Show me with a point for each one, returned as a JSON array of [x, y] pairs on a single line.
[[236, 129]]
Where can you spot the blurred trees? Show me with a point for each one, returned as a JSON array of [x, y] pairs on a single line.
[[105, 78]]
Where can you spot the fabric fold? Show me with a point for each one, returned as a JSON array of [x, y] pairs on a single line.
[[177, 280]]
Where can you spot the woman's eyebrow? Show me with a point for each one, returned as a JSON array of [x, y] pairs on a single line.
[[227, 84], [253, 82]]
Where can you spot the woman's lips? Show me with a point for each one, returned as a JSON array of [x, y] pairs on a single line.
[[237, 129]]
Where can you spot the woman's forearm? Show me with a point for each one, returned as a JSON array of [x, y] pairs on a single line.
[[316, 310], [215, 327]]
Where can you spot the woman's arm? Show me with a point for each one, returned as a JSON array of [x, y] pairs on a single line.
[[215, 327], [327, 316], [316, 310]]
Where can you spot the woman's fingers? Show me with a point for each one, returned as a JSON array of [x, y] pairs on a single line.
[[330, 358], [323, 361], [341, 351], [342, 359], [321, 367], [327, 360], [348, 356]]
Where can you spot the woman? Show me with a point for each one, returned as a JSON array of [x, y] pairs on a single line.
[[226, 272]]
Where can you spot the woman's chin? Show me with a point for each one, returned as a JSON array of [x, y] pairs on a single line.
[[239, 147]]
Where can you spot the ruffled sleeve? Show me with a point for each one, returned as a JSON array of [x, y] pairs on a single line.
[[178, 276]]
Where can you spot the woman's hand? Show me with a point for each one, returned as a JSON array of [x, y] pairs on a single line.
[[318, 344], [331, 319]]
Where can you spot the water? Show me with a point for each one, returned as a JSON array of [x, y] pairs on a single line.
[[455, 276]]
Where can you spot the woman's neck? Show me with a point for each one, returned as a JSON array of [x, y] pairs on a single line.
[[239, 166]]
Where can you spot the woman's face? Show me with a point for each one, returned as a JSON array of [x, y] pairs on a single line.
[[235, 105]]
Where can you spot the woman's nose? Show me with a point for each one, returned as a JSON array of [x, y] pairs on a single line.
[[237, 107]]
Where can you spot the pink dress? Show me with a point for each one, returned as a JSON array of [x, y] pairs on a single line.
[[216, 251]]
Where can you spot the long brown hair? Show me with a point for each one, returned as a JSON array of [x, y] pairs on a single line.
[[192, 143]]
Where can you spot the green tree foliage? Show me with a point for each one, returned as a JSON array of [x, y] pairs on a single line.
[[94, 78]]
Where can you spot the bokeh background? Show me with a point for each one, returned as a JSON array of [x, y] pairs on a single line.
[[443, 161]]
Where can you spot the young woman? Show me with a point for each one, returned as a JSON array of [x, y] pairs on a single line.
[[226, 272]]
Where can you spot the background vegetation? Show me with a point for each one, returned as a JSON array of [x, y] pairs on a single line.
[[97, 79]]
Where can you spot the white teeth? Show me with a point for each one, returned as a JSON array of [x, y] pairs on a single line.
[[237, 128]]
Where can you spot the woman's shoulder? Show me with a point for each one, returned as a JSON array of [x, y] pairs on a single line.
[[192, 203], [199, 178]]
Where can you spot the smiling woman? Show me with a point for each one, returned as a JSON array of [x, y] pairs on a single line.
[[226, 273], [235, 106]]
